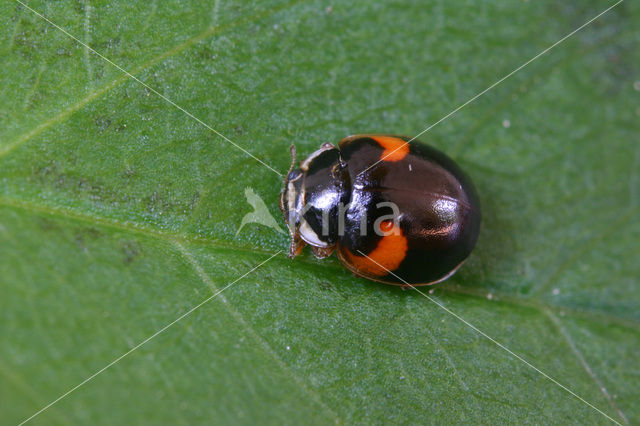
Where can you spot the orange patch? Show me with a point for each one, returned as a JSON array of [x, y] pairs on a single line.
[[386, 226], [395, 149], [387, 256]]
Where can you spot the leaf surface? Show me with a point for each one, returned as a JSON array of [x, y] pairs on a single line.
[[118, 212]]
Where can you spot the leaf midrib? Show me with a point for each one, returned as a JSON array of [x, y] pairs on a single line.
[[175, 237]]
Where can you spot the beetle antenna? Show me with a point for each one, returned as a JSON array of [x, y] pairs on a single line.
[[292, 149]]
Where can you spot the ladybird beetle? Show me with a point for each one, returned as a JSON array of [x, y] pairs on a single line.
[[394, 210]]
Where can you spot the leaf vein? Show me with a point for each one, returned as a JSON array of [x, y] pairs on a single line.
[[256, 336], [173, 237], [447, 357], [97, 93], [585, 364]]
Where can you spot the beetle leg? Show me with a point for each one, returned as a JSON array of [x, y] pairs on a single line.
[[322, 252], [297, 244]]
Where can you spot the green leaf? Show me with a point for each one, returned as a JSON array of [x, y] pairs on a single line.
[[119, 212]]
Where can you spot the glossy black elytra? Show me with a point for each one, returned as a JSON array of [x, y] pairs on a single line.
[[391, 210]]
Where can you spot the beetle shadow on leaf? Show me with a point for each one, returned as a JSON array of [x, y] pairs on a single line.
[[493, 261]]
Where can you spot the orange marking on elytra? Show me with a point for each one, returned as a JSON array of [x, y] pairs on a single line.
[[389, 253], [395, 149], [386, 226]]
